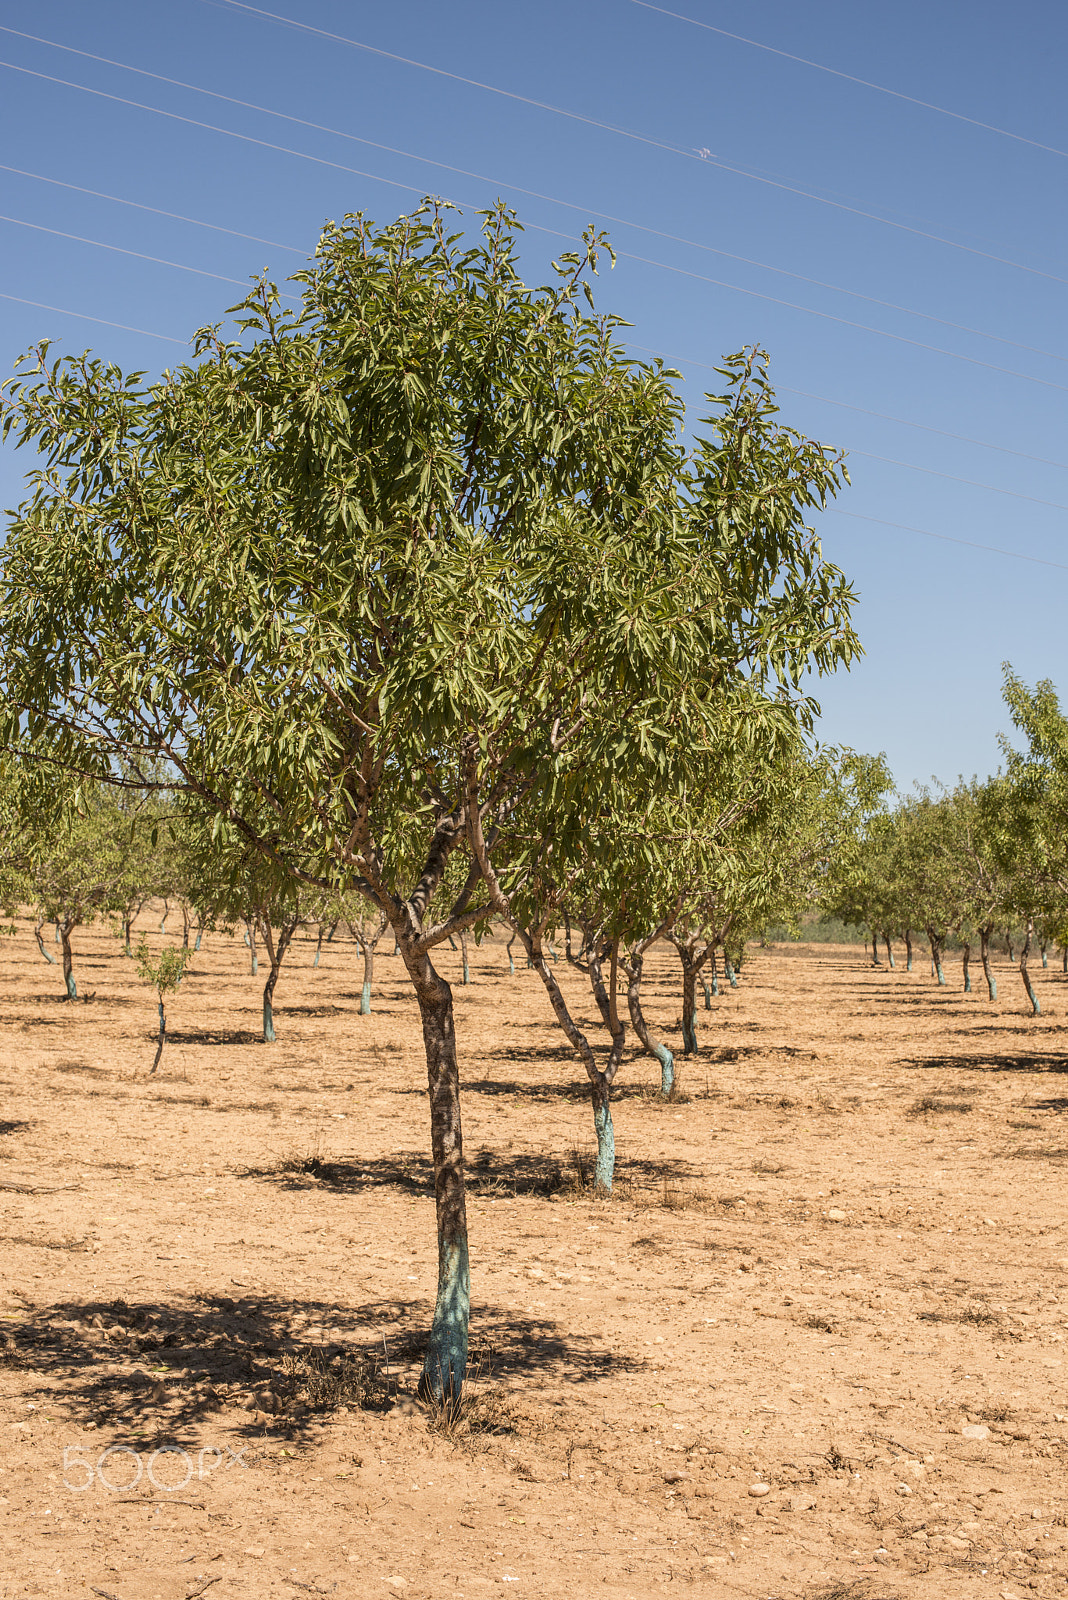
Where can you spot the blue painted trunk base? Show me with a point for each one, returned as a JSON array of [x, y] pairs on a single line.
[[72, 988], [365, 1000], [667, 1069], [268, 1023], [606, 1149], [708, 995], [445, 1365]]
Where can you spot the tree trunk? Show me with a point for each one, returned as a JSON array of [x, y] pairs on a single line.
[[318, 946], [654, 1045], [275, 954], [714, 974], [446, 1358], [41, 945], [1036, 1009], [600, 1095], [166, 914], [368, 976], [908, 949], [68, 963], [936, 956], [1042, 948], [463, 950], [162, 1036], [708, 994], [889, 951], [875, 948], [1008, 946], [511, 963], [728, 967], [127, 925], [268, 1006], [600, 1082], [967, 974], [250, 940], [984, 949], [689, 1004]]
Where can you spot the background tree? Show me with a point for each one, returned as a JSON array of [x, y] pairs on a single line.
[[372, 575]]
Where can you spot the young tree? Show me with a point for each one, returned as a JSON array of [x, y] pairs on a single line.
[[164, 974], [372, 574]]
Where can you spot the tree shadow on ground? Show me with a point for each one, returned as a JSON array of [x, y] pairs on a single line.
[[489, 1173], [13, 1127], [230, 1036], [1033, 1061], [157, 1370]]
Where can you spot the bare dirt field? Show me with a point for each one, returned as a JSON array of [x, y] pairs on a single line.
[[834, 1271]]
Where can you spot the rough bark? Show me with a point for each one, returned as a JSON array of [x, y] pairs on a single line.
[[935, 940], [967, 973], [445, 1364], [463, 951], [908, 949], [689, 1004], [889, 951]]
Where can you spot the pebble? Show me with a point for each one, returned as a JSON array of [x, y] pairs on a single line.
[[255, 1550], [757, 1491], [397, 1582], [903, 1488], [800, 1502], [676, 1477], [975, 1430], [835, 1215]]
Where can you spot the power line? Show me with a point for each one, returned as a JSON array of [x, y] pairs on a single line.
[[211, 127], [626, 133], [174, 216], [664, 266], [480, 177], [865, 83], [948, 538], [159, 261], [925, 427], [972, 483], [1015, 555], [84, 316], [883, 416], [829, 316], [845, 405]]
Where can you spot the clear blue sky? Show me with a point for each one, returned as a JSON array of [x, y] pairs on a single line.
[[937, 618]]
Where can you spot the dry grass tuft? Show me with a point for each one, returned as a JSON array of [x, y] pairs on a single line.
[[932, 1103]]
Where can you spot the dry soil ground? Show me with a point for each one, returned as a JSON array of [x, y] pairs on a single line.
[[837, 1269]]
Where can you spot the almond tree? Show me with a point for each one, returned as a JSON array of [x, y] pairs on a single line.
[[370, 576]]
